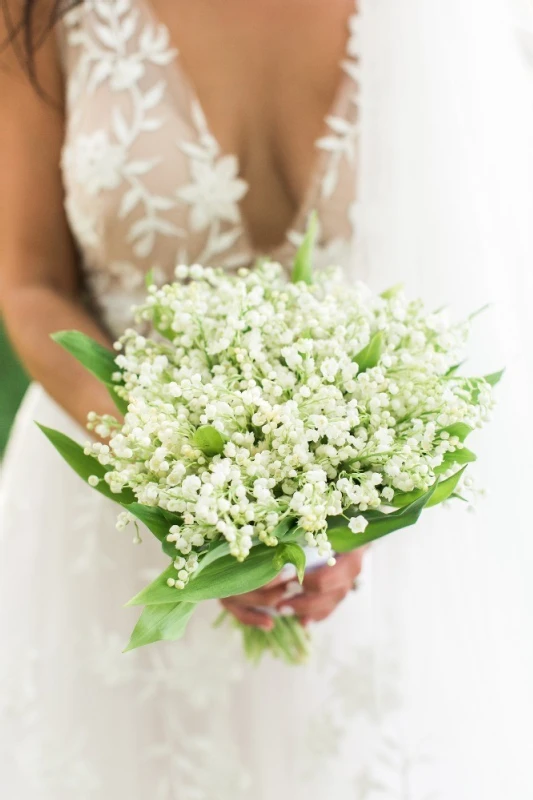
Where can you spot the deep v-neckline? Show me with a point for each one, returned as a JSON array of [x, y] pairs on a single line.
[[320, 159]]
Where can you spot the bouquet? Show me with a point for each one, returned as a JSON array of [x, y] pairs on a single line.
[[264, 418]]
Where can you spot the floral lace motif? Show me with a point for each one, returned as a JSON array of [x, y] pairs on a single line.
[[146, 182]]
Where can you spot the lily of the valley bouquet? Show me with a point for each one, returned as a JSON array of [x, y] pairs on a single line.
[[264, 419]]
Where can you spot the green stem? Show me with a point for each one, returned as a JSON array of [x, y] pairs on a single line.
[[288, 640]]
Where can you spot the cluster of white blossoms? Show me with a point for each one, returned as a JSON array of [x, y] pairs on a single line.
[[253, 401]]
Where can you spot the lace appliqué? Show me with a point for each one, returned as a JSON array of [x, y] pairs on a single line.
[[117, 50], [213, 194], [115, 170]]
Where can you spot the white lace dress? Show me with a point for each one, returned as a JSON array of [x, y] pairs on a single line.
[[384, 710]]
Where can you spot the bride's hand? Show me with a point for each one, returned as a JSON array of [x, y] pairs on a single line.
[[322, 591], [247, 607], [325, 588]]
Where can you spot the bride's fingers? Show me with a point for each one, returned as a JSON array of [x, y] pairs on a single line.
[[315, 606], [261, 597], [249, 616], [281, 578], [342, 575], [323, 590]]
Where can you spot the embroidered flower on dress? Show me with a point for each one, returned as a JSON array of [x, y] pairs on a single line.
[[126, 72], [94, 162], [215, 191]]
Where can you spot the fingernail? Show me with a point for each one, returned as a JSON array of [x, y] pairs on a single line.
[[286, 611], [292, 590]]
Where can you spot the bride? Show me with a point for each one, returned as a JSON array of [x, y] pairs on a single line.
[[140, 133]]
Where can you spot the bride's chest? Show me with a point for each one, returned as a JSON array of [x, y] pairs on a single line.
[[148, 184], [266, 75]]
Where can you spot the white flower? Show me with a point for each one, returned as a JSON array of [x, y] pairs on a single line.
[[215, 191], [329, 368], [388, 493], [300, 432], [358, 524]]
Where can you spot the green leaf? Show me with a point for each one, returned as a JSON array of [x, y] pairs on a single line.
[[149, 279], [454, 369], [370, 355], [217, 549], [379, 524], [83, 465], [208, 440], [455, 496], [156, 522], [295, 534], [157, 623], [443, 489], [495, 377], [459, 429], [303, 263], [97, 359], [283, 528], [225, 577], [388, 294], [290, 553], [446, 488], [464, 456], [154, 519]]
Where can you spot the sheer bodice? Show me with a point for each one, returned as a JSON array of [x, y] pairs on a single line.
[[146, 183]]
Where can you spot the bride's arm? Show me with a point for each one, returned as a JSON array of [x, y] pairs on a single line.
[[39, 281]]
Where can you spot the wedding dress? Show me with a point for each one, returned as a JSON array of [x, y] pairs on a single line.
[[420, 685]]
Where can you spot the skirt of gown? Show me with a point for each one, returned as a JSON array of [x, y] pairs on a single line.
[[414, 691]]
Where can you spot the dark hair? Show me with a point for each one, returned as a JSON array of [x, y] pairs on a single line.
[[27, 32]]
